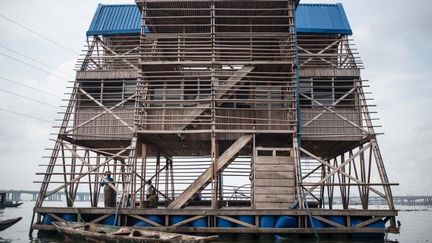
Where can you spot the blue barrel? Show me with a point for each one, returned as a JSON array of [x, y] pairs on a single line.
[[267, 221], [154, 218], [337, 219], [178, 218], [377, 224], [222, 223], [70, 217], [249, 219], [316, 223], [109, 220], [368, 236], [286, 222], [200, 223], [47, 219]]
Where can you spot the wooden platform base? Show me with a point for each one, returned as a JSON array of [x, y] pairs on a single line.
[[355, 220]]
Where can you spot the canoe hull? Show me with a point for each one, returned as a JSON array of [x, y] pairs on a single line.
[[8, 223], [106, 233]]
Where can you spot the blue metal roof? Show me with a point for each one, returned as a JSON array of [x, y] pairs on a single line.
[[115, 19], [322, 19], [310, 19]]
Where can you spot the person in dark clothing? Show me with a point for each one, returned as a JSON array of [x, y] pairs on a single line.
[[109, 191]]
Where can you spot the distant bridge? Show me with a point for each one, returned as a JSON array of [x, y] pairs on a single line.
[[15, 195], [404, 200], [398, 200]]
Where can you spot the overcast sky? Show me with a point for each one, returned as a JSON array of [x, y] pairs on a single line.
[[394, 38]]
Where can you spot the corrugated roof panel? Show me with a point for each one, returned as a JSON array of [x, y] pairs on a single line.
[[115, 19], [310, 18], [322, 19]]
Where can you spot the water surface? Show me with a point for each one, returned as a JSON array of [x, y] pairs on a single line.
[[416, 227]]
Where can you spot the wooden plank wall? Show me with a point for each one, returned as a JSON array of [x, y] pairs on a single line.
[[330, 127], [232, 119], [104, 127], [274, 180]]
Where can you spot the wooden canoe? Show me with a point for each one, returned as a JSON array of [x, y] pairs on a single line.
[[10, 204], [107, 233], [8, 223]]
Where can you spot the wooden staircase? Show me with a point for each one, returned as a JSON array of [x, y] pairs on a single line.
[[205, 178]]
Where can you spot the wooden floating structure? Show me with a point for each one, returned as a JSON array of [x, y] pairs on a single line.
[[248, 116]]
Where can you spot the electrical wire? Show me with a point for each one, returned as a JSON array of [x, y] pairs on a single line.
[[28, 98], [30, 65], [31, 87], [28, 116], [40, 35], [30, 58]]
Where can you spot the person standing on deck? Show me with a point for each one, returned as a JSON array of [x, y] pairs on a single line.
[[109, 191], [151, 194]]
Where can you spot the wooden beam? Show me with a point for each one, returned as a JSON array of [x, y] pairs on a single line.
[[99, 219], [106, 109], [101, 114], [188, 220], [230, 83], [85, 173], [338, 170], [146, 220], [204, 179], [336, 114], [332, 105], [367, 222], [329, 222], [236, 221]]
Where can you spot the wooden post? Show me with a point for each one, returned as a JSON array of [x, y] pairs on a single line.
[[143, 173]]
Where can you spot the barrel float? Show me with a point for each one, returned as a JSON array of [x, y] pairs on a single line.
[[267, 221], [178, 218], [286, 222], [362, 236], [200, 223], [47, 219], [337, 219], [71, 217], [316, 223], [154, 218], [222, 223], [110, 220], [249, 219]]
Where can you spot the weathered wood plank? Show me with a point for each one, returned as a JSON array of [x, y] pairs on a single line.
[[275, 175], [274, 190], [124, 74], [329, 72], [270, 168], [274, 198], [274, 160], [272, 182], [261, 205]]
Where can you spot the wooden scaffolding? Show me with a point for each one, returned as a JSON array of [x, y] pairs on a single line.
[[229, 112]]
